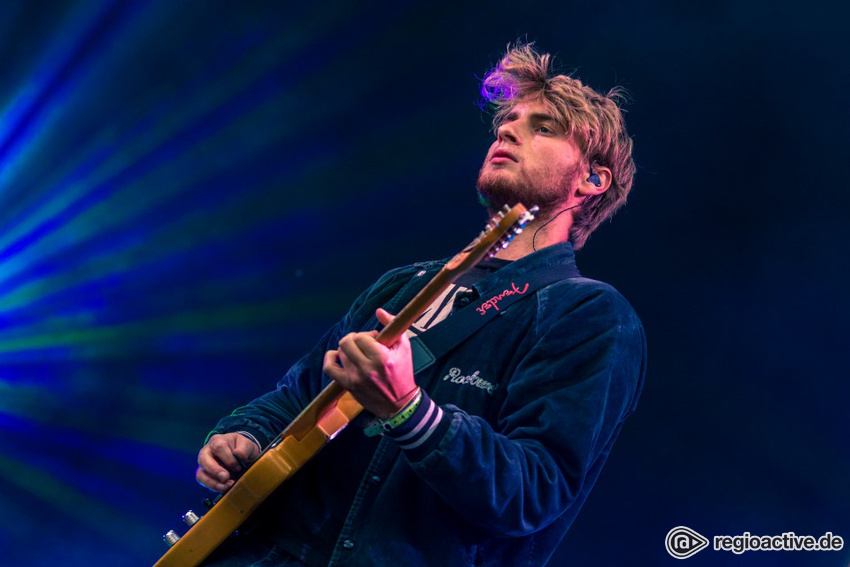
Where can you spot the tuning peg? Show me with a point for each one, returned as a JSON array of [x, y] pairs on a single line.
[[190, 518], [170, 538]]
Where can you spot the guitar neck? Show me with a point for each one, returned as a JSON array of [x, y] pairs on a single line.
[[414, 309], [306, 420]]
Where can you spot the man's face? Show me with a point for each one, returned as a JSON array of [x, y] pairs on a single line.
[[532, 161]]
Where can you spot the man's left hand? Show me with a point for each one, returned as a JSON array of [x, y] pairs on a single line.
[[379, 377]]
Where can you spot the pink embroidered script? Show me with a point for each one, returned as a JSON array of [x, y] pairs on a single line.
[[494, 301]]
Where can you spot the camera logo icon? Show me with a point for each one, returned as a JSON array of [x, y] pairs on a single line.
[[683, 542]]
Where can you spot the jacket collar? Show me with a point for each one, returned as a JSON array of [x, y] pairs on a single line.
[[560, 254]]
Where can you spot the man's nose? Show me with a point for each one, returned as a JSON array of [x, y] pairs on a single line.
[[507, 132]]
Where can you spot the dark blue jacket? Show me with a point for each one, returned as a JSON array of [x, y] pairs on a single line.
[[515, 453]]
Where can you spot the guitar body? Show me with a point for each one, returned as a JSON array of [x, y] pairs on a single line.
[[327, 415]]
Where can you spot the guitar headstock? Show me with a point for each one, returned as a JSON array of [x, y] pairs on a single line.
[[498, 233]]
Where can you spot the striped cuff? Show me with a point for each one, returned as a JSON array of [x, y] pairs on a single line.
[[423, 425]]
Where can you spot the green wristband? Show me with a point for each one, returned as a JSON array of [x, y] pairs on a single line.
[[379, 426]]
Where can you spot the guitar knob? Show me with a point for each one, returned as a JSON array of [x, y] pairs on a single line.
[[190, 518], [170, 538]]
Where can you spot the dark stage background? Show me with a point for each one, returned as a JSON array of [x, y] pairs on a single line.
[[192, 192]]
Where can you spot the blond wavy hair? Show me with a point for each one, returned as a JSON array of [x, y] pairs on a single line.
[[594, 121]]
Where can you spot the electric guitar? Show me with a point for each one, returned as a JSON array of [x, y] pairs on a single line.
[[327, 415]]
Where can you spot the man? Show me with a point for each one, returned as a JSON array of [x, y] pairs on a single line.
[[493, 448]]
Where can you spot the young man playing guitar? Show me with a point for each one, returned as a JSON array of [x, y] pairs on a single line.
[[485, 454]]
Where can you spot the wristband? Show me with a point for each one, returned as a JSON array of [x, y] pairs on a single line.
[[379, 426]]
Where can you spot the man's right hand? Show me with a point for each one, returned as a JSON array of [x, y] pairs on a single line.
[[218, 461]]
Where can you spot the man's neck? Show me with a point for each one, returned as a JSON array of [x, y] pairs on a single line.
[[538, 234]]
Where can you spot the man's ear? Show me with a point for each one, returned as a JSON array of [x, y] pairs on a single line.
[[597, 182]]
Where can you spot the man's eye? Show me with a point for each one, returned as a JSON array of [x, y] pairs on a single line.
[[545, 130]]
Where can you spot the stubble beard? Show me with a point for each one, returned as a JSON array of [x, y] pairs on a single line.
[[497, 188]]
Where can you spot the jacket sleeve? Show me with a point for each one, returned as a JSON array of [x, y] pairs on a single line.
[[265, 417], [564, 406]]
